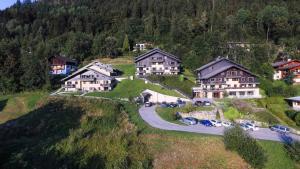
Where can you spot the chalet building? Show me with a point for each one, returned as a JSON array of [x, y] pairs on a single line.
[[222, 78], [60, 65], [294, 102], [284, 68], [95, 76], [157, 62]]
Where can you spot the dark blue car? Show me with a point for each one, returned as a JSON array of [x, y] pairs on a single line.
[[206, 123]]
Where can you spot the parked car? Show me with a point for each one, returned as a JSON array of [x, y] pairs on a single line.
[[164, 105], [148, 104], [181, 103], [252, 126], [216, 123], [206, 123], [280, 129], [244, 127], [206, 103], [202, 103], [189, 120], [173, 105], [227, 124]]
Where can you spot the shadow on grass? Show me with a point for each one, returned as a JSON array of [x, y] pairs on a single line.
[[3, 104], [23, 141]]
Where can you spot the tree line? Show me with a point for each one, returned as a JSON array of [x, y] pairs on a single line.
[[195, 30]]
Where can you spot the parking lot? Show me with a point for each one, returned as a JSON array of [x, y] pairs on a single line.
[[149, 115]]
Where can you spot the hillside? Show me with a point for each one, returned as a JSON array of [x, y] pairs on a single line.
[[81, 133], [72, 133], [195, 30]]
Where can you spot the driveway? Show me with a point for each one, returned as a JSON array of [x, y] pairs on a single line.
[[149, 115]]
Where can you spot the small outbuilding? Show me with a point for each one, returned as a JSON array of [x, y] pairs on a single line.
[[294, 102]]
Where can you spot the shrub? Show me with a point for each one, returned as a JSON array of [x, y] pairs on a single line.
[[235, 139], [232, 113], [297, 119], [291, 114], [293, 150]]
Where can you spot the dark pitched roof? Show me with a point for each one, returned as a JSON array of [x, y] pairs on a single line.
[[153, 51], [217, 61], [224, 68], [280, 63]]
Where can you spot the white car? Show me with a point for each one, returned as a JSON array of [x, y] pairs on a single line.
[[216, 123], [252, 126], [227, 124]]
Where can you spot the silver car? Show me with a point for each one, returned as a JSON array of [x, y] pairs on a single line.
[[189, 121]]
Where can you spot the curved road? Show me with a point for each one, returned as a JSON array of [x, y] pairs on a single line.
[[149, 115]]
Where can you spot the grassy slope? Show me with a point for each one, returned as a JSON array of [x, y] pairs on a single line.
[[133, 88], [173, 82], [277, 106], [277, 157], [14, 106], [168, 148], [127, 69], [81, 133]]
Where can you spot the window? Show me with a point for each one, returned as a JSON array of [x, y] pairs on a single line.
[[235, 79], [69, 83], [250, 93], [76, 82], [220, 79], [250, 79], [212, 79], [232, 93], [166, 68], [242, 93], [233, 73], [235, 86], [243, 79]]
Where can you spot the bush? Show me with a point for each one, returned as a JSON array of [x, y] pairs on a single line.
[[232, 113], [297, 119], [293, 150], [235, 139], [291, 114]]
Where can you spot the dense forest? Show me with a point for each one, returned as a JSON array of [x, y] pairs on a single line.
[[195, 30]]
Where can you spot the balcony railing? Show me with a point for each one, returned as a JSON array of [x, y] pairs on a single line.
[[157, 70]]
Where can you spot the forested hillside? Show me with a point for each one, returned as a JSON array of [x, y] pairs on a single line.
[[195, 30]]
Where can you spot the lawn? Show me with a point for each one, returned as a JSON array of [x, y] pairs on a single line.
[[174, 82], [277, 157], [14, 106], [189, 75], [126, 69], [277, 106], [133, 88]]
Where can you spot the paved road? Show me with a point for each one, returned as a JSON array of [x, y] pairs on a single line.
[[149, 115]]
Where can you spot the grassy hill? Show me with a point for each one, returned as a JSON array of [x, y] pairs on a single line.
[[13, 106], [71, 132], [133, 88]]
